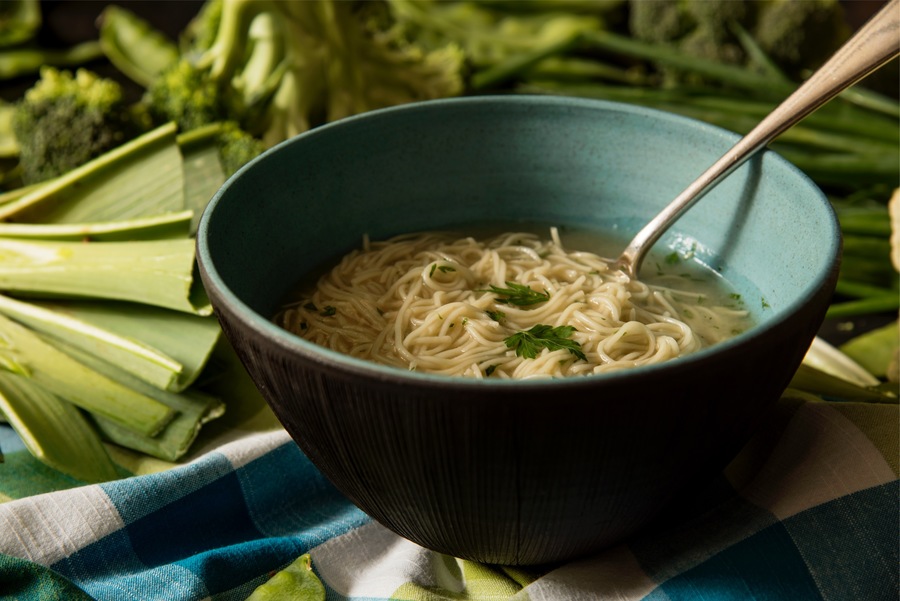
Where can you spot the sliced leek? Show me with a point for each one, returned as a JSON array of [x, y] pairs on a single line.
[[167, 349], [54, 431], [153, 272], [155, 227], [24, 352], [193, 410], [142, 177]]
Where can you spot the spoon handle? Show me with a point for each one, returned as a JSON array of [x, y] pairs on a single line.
[[877, 42]]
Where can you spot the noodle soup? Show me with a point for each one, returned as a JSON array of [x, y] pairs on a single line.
[[512, 305]]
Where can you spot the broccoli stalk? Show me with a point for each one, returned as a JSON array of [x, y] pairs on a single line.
[[66, 120], [312, 62]]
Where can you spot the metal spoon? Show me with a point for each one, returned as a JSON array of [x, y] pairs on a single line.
[[877, 42]]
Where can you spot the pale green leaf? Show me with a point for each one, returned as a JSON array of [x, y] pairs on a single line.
[[874, 350], [140, 178], [165, 348], [60, 374], [156, 227], [130, 354], [193, 410], [54, 431], [296, 582], [203, 175], [153, 272]]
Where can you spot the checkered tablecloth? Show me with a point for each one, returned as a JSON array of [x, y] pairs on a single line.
[[809, 510]]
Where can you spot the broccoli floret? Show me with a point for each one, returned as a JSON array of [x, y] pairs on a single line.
[[66, 120], [794, 34], [279, 68], [311, 62], [186, 94], [799, 35], [700, 28], [236, 147]]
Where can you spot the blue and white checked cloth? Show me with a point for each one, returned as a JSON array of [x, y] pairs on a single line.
[[808, 511]]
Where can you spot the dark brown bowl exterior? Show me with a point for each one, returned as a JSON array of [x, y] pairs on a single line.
[[516, 472], [521, 476]]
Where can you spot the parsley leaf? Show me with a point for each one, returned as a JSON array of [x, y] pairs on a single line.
[[496, 315], [529, 343], [519, 295]]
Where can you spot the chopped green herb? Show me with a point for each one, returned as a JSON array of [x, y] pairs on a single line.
[[672, 258], [491, 369], [519, 295], [529, 343], [688, 313], [496, 315], [328, 311], [441, 268], [765, 305], [310, 306], [465, 320]]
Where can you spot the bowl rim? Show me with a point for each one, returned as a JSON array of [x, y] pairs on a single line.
[[333, 360]]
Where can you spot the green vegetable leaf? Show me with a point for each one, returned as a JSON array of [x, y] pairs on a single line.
[[152, 272], [297, 581], [529, 343], [54, 431], [141, 178], [519, 295], [24, 352], [192, 409]]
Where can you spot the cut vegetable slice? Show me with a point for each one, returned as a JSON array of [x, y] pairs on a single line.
[[156, 227], [167, 349], [142, 177], [26, 353], [54, 431], [154, 272], [193, 410]]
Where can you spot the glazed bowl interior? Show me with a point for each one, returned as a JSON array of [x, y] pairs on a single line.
[[455, 164]]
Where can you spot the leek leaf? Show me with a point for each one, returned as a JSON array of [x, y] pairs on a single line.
[[203, 173], [139, 178], [830, 387], [193, 410], [156, 227], [54, 431], [153, 272], [874, 350], [167, 349], [825, 358], [26, 353]]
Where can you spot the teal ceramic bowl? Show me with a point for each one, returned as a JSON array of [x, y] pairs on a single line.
[[501, 471]]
